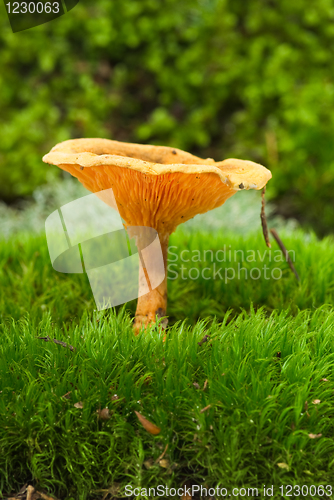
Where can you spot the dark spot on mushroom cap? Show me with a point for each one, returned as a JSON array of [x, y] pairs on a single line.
[[81, 168], [241, 186], [174, 152]]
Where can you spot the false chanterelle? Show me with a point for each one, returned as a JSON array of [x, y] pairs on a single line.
[[155, 186]]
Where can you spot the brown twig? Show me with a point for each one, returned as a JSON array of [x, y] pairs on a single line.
[[30, 491], [67, 395], [48, 339], [44, 496], [22, 491], [162, 455], [204, 339], [112, 490], [285, 252], [205, 409], [264, 219]]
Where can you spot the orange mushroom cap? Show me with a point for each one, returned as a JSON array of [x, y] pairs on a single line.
[[156, 186]]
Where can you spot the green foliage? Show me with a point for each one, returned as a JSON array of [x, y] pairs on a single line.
[[263, 400], [265, 368], [220, 78], [199, 277]]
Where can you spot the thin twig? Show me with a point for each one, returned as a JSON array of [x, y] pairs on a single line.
[[204, 339], [285, 252], [22, 490], [48, 339], [44, 496], [113, 490], [205, 409], [264, 219], [67, 395], [162, 455]]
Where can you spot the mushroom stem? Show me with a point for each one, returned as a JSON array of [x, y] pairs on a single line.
[[152, 304]]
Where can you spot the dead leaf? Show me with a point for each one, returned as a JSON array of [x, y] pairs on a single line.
[[104, 414], [306, 405], [314, 436], [283, 465], [324, 380], [149, 463], [164, 463], [114, 397], [205, 385], [205, 409], [78, 405], [148, 426], [196, 385], [316, 401]]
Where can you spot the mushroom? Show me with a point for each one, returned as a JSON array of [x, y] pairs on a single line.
[[155, 186]]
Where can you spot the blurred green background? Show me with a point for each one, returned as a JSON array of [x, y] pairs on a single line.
[[219, 78]]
